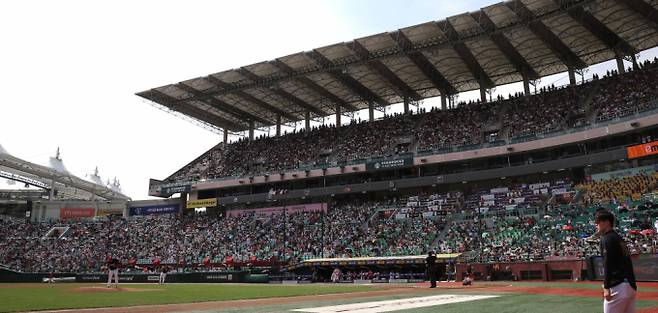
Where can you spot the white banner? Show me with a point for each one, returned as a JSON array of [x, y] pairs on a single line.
[[559, 191], [488, 197], [539, 185], [500, 190]]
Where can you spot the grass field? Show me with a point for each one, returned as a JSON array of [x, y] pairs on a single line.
[[514, 297], [27, 297]]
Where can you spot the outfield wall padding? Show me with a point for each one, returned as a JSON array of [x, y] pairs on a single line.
[[8, 276], [539, 270]]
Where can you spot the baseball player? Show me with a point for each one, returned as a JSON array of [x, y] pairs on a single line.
[[163, 274], [112, 272], [619, 287]]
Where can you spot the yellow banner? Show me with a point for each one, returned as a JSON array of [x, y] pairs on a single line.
[[109, 211], [203, 203]]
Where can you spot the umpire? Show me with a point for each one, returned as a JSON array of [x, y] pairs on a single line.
[[430, 267], [619, 287]]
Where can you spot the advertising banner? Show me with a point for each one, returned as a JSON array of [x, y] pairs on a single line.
[[202, 203], [176, 189], [66, 213], [642, 150], [645, 267], [500, 190], [539, 185], [289, 209], [155, 209], [109, 211], [158, 188], [390, 164]]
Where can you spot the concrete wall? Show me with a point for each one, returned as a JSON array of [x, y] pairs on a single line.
[[567, 163], [545, 267]]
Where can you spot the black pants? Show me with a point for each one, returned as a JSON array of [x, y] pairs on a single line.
[[431, 273]]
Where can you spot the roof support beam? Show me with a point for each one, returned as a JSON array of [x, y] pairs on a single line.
[[402, 88], [359, 89], [644, 9], [559, 48], [601, 31], [299, 102], [173, 104], [219, 83], [315, 87], [423, 64], [284, 94], [506, 47], [265, 105], [467, 56], [221, 105]]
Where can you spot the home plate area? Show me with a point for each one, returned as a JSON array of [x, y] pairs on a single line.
[[395, 305]]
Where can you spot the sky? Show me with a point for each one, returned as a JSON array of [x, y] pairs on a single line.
[[69, 70]]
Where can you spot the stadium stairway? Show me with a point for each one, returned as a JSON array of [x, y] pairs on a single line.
[[442, 234], [56, 232], [587, 102]]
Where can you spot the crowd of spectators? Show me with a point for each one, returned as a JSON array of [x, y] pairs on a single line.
[[462, 126], [551, 109], [411, 225], [564, 232], [617, 190], [544, 112], [621, 95], [202, 240]]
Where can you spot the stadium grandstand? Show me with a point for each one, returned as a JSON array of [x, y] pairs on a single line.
[[509, 179]]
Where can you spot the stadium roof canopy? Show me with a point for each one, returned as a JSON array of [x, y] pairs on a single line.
[[503, 43], [55, 176]]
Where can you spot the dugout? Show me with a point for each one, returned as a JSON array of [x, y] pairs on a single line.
[[410, 268]]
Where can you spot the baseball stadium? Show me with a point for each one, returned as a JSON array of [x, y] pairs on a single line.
[[321, 198]]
